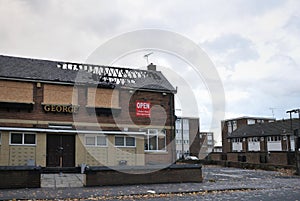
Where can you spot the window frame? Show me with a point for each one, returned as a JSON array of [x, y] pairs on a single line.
[[274, 139], [229, 128], [125, 141], [23, 139], [156, 134], [234, 125], [236, 140], [96, 140]]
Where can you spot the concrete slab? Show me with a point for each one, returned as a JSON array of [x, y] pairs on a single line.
[[62, 180]]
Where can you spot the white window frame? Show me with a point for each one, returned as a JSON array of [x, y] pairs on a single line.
[[234, 125], [23, 139], [237, 145], [236, 140], [96, 141], [274, 143], [250, 121], [153, 133], [274, 139], [229, 127], [253, 139], [292, 143], [210, 139], [124, 140], [254, 144]]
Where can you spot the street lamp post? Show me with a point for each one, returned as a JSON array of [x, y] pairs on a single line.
[[296, 138]]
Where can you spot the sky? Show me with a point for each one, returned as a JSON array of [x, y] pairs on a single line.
[[253, 44]]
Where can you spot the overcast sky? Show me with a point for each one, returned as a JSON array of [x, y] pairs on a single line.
[[254, 44]]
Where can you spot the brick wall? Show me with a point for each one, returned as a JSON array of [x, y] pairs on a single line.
[[162, 106], [173, 174], [232, 156], [195, 141], [253, 157], [226, 146], [274, 157], [215, 156], [279, 158], [19, 177]]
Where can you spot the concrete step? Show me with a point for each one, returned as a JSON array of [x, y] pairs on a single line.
[[61, 169], [62, 180]]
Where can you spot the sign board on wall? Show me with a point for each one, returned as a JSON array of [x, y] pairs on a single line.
[[142, 108]]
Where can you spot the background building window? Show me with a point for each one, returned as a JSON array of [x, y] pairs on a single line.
[[123, 141], [90, 141], [99, 140], [234, 125], [130, 141], [274, 138], [229, 127], [29, 138], [209, 139], [155, 140], [22, 139]]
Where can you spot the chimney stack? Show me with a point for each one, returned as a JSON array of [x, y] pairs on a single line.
[[152, 67]]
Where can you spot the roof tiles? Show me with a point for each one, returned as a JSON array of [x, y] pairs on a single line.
[[53, 71]]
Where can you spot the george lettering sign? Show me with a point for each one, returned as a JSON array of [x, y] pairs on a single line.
[[142, 108], [61, 108]]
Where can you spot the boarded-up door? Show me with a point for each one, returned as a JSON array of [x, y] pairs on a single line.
[[60, 150]]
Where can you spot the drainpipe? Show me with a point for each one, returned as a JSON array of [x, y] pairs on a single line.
[[172, 124]]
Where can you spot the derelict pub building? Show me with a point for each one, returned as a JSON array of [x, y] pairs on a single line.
[[60, 114]]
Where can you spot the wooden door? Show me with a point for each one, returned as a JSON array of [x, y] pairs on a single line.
[[60, 150]]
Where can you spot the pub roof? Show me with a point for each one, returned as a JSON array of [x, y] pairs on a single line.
[[18, 68]]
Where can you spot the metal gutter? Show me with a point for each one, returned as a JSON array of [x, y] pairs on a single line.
[[47, 130]]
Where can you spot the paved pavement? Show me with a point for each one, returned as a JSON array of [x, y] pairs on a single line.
[[219, 184]]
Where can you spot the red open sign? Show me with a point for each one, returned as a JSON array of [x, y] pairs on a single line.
[[142, 108]]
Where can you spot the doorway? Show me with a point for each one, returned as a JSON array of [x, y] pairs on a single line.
[[60, 150]]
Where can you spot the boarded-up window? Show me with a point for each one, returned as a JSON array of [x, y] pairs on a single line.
[[105, 98], [20, 92], [58, 94]]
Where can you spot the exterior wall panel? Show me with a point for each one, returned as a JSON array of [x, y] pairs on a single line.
[[41, 149], [20, 155], [4, 149], [58, 94], [12, 91]]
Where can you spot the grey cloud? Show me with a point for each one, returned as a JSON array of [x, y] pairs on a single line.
[[236, 48], [282, 59], [258, 7], [293, 24]]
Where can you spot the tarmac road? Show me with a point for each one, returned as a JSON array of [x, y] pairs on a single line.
[[219, 184]]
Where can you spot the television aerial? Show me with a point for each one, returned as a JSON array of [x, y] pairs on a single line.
[[146, 56]]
